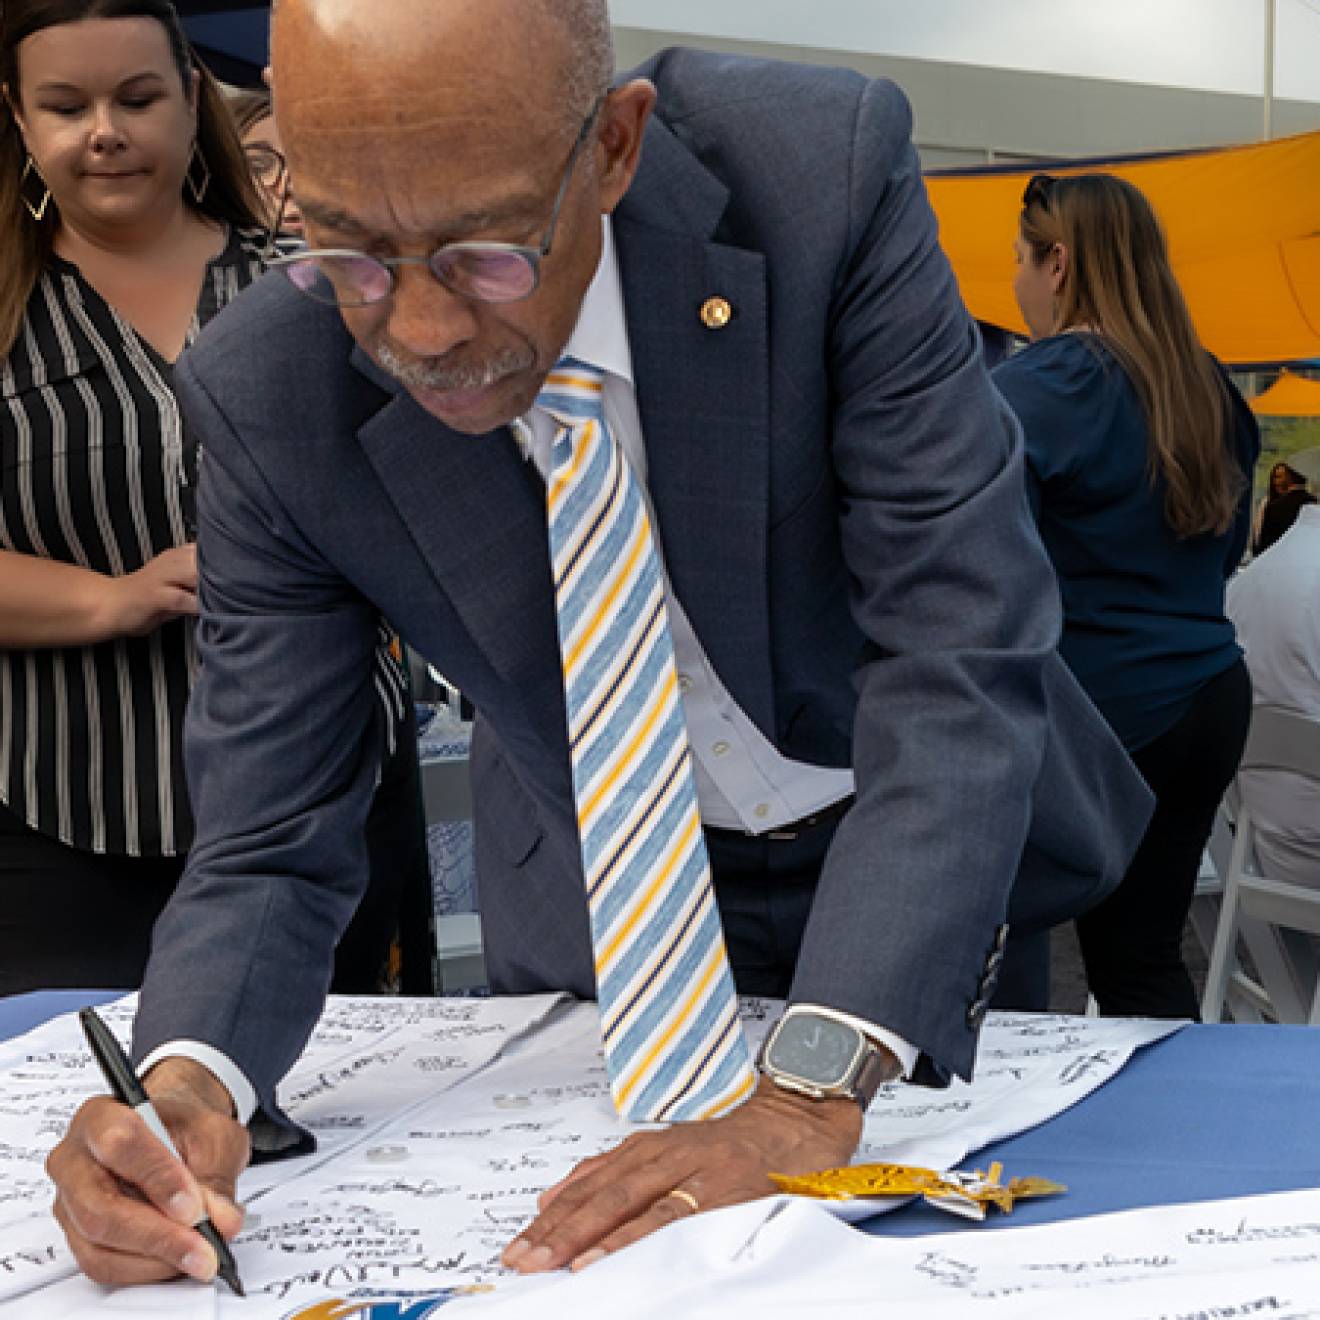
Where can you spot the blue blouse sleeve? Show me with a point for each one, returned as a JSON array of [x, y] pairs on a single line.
[[1039, 397]]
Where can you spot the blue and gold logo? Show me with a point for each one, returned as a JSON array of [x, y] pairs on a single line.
[[410, 1308]]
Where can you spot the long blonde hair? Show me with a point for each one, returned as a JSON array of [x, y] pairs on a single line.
[[1117, 281], [27, 243]]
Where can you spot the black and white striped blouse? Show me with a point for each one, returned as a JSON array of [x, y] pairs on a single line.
[[98, 469]]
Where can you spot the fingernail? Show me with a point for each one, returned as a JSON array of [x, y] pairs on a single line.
[[589, 1258], [185, 1208], [530, 1260], [199, 1265], [515, 1251]]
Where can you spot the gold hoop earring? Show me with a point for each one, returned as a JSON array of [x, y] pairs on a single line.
[[37, 210], [198, 175]]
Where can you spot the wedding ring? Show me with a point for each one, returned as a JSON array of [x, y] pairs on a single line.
[[687, 1198]]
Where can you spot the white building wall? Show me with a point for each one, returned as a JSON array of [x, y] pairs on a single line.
[[969, 114]]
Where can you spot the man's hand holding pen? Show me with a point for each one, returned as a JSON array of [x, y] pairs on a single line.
[[126, 1204]]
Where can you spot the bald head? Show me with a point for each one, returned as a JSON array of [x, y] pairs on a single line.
[[558, 53], [411, 128]]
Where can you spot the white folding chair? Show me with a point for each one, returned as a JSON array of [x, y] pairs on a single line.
[[1267, 913]]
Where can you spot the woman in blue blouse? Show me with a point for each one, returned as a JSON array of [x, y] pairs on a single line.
[[1139, 454]]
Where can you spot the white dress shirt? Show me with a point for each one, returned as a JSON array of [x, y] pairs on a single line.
[[743, 783]]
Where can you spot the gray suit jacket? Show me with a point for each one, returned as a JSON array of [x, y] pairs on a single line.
[[840, 499]]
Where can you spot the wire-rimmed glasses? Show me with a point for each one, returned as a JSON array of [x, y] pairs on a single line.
[[481, 271]]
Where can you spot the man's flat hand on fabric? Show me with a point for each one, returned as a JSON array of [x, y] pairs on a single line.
[[654, 1178], [126, 1204]]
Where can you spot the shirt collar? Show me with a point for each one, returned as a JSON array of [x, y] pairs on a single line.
[[601, 334]]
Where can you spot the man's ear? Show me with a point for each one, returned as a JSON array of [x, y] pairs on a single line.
[[623, 119]]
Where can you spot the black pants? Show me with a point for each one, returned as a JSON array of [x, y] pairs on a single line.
[[764, 888], [1132, 942], [76, 919]]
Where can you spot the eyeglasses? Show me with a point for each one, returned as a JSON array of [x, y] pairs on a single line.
[[267, 165], [1039, 189], [483, 272]]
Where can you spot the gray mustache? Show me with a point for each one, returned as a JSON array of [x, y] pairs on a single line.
[[421, 374]]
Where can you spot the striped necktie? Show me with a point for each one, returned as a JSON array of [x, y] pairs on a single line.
[[674, 1046]]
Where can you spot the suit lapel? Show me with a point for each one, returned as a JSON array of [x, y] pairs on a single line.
[[475, 511], [703, 397]]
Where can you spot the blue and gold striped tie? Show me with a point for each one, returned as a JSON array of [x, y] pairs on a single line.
[[669, 1015]]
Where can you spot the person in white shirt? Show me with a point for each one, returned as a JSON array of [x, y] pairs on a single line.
[[1275, 605]]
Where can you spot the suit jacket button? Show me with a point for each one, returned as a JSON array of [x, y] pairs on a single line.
[[716, 313]]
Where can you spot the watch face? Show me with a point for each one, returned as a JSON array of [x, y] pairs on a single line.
[[816, 1049]]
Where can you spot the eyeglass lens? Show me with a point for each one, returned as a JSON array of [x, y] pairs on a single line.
[[486, 274], [265, 163], [351, 281]]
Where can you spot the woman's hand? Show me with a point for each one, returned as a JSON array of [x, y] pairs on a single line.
[[164, 588]]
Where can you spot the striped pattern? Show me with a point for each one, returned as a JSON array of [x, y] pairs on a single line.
[[97, 469], [669, 1015]]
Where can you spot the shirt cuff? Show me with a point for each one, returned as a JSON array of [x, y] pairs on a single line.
[[902, 1050], [226, 1071]]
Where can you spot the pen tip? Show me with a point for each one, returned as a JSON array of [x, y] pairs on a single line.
[[234, 1282]]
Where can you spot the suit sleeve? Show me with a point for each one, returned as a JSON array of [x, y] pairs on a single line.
[[283, 747], [955, 597]]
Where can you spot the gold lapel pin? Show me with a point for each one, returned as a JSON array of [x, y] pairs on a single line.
[[716, 313]]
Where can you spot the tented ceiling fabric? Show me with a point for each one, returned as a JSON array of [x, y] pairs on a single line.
[[1290, 396], [1243, 225]]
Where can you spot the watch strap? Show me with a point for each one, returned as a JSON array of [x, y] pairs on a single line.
[[879, 1066]]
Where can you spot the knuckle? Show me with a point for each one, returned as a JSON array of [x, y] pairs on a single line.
[[614, 1200], [116, 1142], [55, 1162], [94, 1264], [637, 1144], [90, 1221]]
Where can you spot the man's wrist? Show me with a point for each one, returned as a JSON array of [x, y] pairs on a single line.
[[242, 1096], [177, 1074], [840, 1115]]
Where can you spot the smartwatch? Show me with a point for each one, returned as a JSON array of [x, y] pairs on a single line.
[[820, 1053]]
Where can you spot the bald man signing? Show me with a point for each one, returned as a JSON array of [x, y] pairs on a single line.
[[890, 764]]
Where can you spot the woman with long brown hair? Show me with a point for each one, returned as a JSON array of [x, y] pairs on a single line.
[[1285, 497], [1139, 454], [128, 218]]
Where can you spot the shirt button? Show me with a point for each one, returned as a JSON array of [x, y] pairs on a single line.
[[684, 683], [720, 748], [761, 810]]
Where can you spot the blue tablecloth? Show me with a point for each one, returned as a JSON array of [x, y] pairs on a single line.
[[20, 1013], [1214, 1111]]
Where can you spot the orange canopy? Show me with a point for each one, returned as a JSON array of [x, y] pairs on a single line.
[[1243, 225], [1290, 396]]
